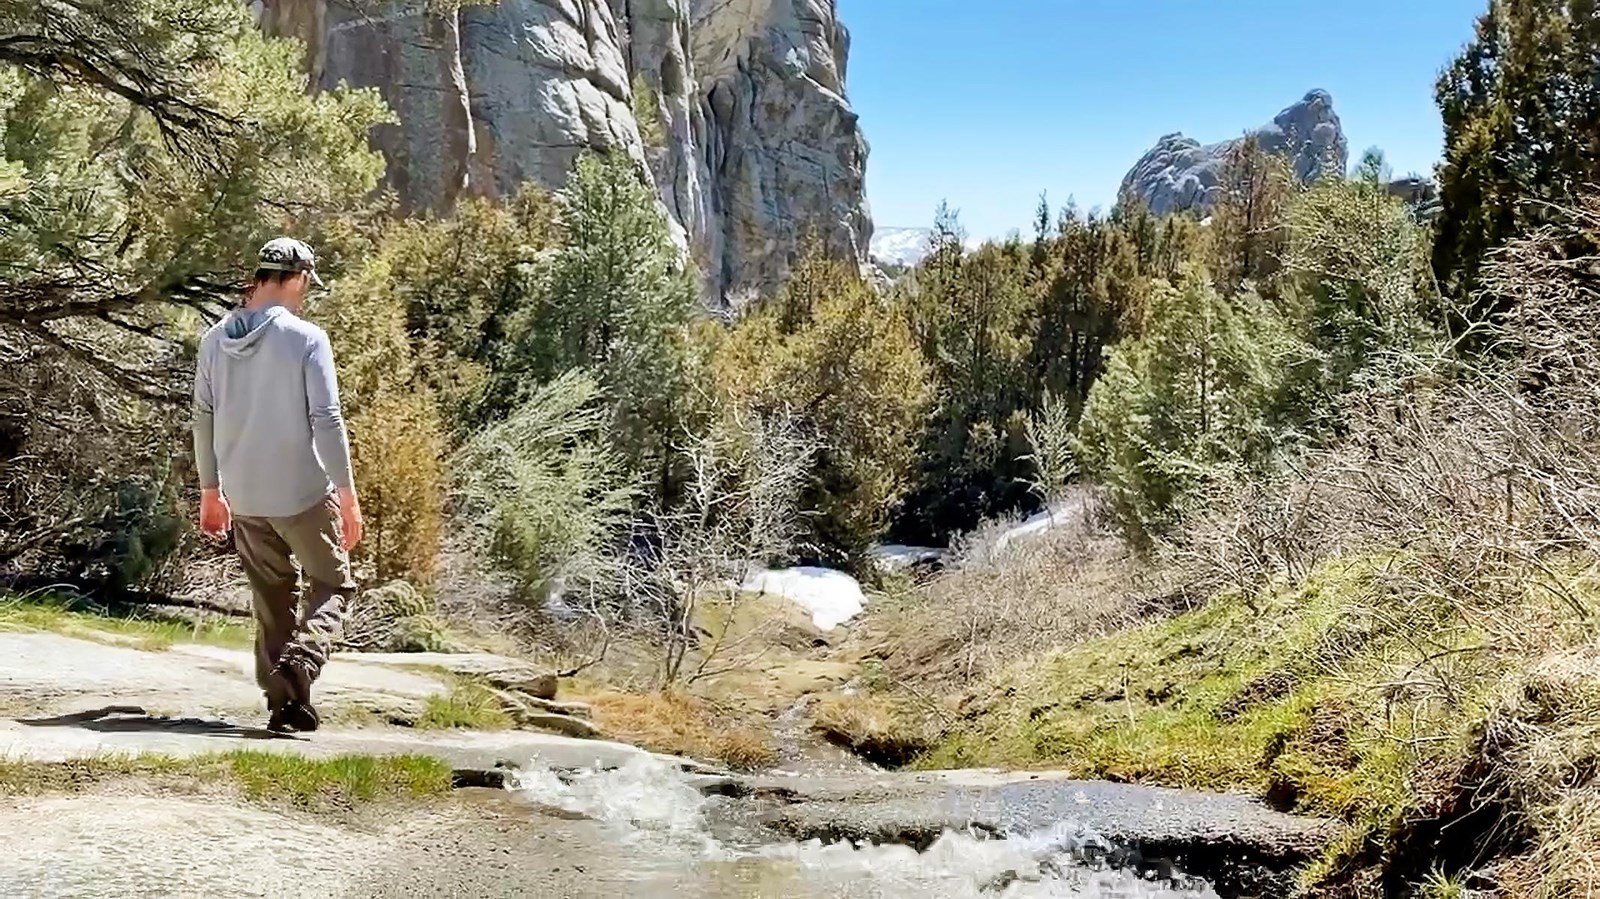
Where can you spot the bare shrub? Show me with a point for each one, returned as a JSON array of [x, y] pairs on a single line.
[[87, 486], [577, 571], [1004, 597], [479, 596], [740, 511], [1487, 477]]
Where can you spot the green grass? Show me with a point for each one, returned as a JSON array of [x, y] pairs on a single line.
[[148, 633], [260, 776], [1441, 886], [345, 779], [1338, 696], [1245, 693], [20, 777], [470, 705]]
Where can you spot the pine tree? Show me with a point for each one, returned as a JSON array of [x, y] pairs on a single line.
[[1246, 233], [147, 149], [1185, 403], [150, 146], [620, 304], [969, 313], [1082, 309], [1521, 110]]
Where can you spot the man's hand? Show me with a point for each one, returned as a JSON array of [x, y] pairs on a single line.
[[216, 516], [350, 525]]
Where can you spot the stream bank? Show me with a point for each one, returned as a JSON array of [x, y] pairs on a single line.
[[570, 817]]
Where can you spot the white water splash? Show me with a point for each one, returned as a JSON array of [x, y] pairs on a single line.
[[1042, 864], [651, 806], [646, 800]]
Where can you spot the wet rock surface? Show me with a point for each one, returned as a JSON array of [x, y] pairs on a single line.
[[128, 731], [69, 698], [1241, 846], [49, 672], [507, 674]]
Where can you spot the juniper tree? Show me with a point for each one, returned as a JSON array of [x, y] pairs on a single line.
[[146, 146], [1521, 110]]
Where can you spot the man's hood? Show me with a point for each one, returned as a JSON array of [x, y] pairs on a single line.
[[242, 329]]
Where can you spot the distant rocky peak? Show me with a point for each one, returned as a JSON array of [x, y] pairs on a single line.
[[1179, 174]]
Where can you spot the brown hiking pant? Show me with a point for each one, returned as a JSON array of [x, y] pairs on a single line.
[[293, 624]]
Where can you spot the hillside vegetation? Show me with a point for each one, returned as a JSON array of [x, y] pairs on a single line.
[[1349, 557]]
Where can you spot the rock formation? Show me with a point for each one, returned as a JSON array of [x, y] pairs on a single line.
[[736, 108], [1181, 175]]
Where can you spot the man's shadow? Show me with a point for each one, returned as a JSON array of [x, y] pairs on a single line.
[[133, 719]]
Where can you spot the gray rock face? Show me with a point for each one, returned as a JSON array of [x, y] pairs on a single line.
[[417, 61], [786, 155], [751, 140], [1181, 175]]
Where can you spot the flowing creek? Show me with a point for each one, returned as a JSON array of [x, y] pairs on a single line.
[[680, 843]]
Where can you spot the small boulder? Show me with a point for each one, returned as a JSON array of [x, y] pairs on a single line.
[[561, 724], [573, 709], [535, 683]]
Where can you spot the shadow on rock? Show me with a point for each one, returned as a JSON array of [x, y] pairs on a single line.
[[133, 719]]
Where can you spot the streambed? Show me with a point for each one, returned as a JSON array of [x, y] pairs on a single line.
[[674, 841]]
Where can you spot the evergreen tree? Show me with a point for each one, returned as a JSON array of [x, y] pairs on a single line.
[[1362, 290], [467, 288], [1081, 309], [1521, 110], [1246, 230], [969, 314], [148, 146], [1372, 168], [147, 149], [832, 354], [620, 305], [1183, 404]]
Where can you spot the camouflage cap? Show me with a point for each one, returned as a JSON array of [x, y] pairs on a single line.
[[285, 254]]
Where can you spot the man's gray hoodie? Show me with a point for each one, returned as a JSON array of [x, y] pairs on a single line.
[[267, 427]]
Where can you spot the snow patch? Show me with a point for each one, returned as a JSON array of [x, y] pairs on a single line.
[[909, 246], [832, 597], [900, 246], [1057, 516]]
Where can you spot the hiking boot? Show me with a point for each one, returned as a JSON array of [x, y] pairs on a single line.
[[278, 690], [289, 699], [295, 680], [294, 718]]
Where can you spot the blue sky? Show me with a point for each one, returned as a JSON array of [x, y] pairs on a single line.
[[987, 102]]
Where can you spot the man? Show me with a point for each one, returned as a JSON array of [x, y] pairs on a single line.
[[274, 464]]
